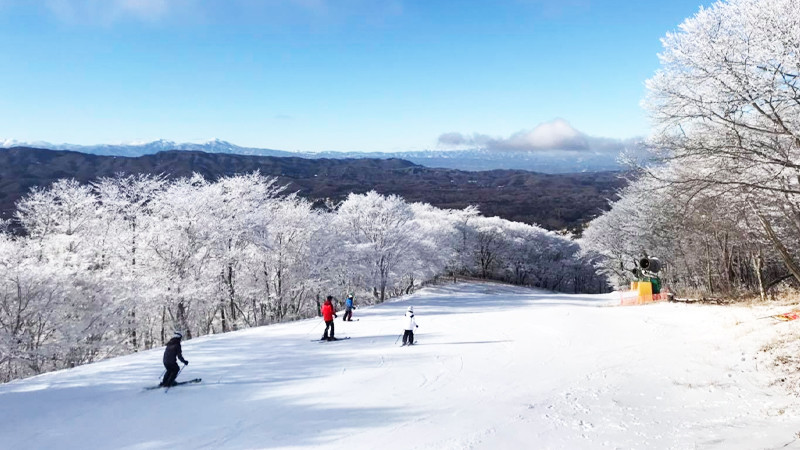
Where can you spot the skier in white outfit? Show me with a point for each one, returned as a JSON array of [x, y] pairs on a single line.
[[409, 324]]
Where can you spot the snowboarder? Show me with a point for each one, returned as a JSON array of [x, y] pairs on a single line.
[[409, 324], [172, 352], [328, 314], [348, 309]]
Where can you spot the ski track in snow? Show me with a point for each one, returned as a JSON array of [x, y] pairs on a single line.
[[497, 367]]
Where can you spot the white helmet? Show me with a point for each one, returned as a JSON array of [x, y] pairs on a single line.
[[178, 335], [410, 309]]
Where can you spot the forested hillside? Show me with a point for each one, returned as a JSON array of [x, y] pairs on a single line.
[[556, 202]]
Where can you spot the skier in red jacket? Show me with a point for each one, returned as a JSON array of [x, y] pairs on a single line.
[[328, 314]]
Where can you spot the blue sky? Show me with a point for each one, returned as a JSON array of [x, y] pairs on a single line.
[[346, 75]]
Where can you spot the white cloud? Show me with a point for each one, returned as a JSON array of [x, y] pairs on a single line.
[[453, 140], [554, 136], [557, 134]]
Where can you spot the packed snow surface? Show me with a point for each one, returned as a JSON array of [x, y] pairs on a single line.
[[496, 367]]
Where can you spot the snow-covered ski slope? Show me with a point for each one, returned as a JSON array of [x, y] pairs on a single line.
[[497, 367]]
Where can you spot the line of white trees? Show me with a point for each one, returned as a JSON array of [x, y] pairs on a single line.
[[115, 266], [722, 206]]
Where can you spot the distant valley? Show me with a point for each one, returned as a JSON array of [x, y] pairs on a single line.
[[561, 161], [554, 201]]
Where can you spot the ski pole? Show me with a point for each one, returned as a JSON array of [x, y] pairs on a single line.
[[162, 375], [315, 326], [398, 338]]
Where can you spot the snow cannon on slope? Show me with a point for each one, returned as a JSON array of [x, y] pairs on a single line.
[[647, 287], [652, 265]]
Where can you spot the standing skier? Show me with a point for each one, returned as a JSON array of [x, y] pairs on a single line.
[[409, 324], [348, 309], [328, 314], [172, 352]]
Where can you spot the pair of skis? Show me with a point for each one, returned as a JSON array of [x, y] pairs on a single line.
[[180, 383], [348, 337], [331, 340]]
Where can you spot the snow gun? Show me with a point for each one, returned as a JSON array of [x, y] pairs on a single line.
[[647, 286]]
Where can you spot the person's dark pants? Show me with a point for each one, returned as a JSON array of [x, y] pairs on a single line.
[[408, 337], [171, 374], [328, 324], [348, 314]]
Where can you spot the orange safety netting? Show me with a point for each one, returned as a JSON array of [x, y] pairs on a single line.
[[791, 315]]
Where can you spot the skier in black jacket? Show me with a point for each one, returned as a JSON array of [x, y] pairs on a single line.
[[172, 352]]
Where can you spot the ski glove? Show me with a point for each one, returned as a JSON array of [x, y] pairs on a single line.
[[416, 326], [186, 363]]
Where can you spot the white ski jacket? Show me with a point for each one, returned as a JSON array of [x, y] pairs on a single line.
[[408, 321]]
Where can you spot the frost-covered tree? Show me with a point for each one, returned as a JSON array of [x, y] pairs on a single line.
[[242, 208], [376, 231], [73, 308], [58, 214], [434, 247], [726, 108], [180, 244], [286, 254], [30, 295], [491, 244], [124, 206]]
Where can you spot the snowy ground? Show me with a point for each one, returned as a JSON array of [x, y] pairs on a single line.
[[496, 367]]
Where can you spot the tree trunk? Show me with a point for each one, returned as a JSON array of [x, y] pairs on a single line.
[[709, 276], [232, 296], [182, 321], [773, 237], [132, 329], [223, 319], [163, 322], [758, 265]]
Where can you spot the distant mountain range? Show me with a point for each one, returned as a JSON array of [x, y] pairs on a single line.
[[472, 160], [554, 201]]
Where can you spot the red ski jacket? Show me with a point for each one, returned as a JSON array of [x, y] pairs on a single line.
[[327, 311]]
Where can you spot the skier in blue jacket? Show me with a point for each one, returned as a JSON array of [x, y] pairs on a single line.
[[348, 309]]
